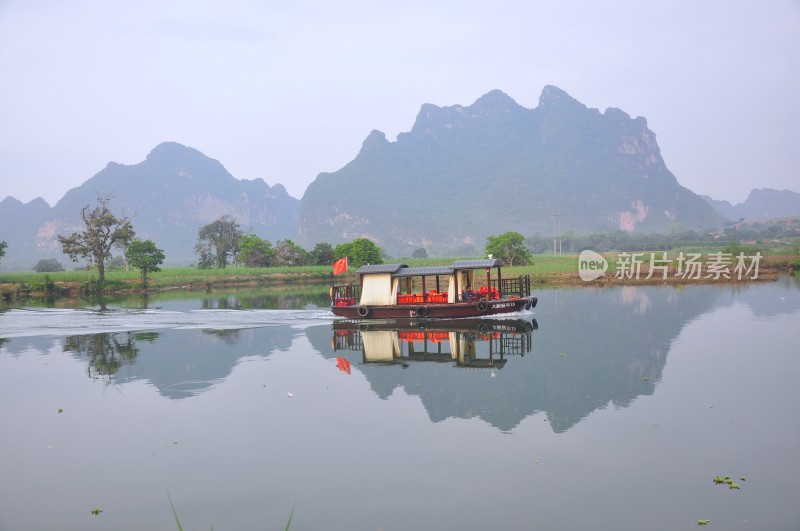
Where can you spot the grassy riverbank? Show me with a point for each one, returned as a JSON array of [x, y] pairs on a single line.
[[72, 283], [546, 270]]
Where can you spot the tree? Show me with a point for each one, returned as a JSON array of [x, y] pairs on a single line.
[[420, 253], [359, 252], [3, 246], [255, 252], [508, 247], [103, 231], [218, 241], [118, 263], [288, 253], [144, 256], [205, 258], [48, 265], [322, 254]]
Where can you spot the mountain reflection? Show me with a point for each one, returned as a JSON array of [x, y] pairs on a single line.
[[593, 349], [179, 363]]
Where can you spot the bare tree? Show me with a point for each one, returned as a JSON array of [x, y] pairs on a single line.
[[103, 231]]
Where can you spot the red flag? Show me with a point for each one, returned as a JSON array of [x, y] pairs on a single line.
[[340, 266], [343, 364]]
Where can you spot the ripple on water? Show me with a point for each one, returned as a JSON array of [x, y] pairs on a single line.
[[57, 322]]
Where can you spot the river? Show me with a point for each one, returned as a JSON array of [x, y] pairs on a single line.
[[601, 409]]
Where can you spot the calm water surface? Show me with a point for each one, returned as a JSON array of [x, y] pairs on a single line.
[[602, 409]]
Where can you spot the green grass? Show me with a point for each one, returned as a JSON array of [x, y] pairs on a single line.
[[543, 266], [180, 527], [174, 275]]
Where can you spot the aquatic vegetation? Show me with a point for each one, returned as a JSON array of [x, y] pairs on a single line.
[[726, 480], [174, 512], [289, 523], [703, 522], [178, 521], [96, 511]]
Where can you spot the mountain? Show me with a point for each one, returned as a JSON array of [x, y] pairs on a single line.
[[168, 196], [762, 203], [463, 173]]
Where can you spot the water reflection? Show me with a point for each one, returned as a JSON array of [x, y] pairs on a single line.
[[475, 343], [200, 409], [277, 298], [107, 353], [264, 301], [180, 364], [594, 348]]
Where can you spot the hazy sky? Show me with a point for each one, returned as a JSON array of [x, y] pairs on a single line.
[[284, 90]]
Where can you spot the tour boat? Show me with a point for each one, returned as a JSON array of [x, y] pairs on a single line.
[[396, 291]]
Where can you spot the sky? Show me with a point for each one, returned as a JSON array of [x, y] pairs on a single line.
[[284, 90]]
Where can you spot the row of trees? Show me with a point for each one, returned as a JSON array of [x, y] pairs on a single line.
[[218, 244], [618, 240], [222, 242], [513, 248]]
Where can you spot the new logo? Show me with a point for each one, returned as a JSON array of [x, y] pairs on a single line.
[[591, 265]]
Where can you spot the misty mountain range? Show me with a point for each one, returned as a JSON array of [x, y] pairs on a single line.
[[761, 204], [460, 175], [168, 197]]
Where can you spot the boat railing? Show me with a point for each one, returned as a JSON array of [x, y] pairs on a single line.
[[345, 294], [347, 340], [519, 344], [514, 287]]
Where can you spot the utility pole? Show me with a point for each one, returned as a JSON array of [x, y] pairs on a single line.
[[556, 240]]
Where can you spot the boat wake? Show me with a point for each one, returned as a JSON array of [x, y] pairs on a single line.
[[66, 322]]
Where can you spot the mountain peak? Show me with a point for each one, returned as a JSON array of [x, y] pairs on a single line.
[[168, 150], [495, 99], [761, 203], [465, 158], [175, 157], [13, 202], [553, 96]]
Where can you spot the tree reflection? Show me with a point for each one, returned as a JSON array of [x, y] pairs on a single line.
[[272, 301], [221, 303], [229, 336], [108, 353]]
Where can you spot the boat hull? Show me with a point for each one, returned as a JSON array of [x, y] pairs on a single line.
[[436, 311], [509, 325]]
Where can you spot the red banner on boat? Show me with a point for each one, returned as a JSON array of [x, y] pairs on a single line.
[[340, 266], [343, 364]]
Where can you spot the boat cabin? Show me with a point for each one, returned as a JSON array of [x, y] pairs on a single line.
[[394, 286]]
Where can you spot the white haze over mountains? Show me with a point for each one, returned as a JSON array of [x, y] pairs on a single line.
[[286, 90]]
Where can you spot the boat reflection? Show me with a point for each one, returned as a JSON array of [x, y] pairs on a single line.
[[485, 343]]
